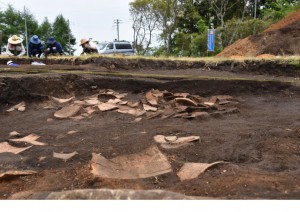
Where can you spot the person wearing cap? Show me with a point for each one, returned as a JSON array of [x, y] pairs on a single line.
[[35, 47], [87, 47], [53, 47], [15, 46]]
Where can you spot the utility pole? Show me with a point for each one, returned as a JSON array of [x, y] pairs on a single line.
[[118, 32], [255, 8], [69, 37], [26, 33]]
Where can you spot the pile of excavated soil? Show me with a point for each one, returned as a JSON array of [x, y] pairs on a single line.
[[282, 38]]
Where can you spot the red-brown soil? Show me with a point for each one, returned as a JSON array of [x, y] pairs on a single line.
[[282, 38], [261, 142]]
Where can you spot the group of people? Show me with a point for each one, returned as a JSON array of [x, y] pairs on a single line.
[[36, 48]]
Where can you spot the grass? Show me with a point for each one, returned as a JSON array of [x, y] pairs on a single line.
[[293, 60]]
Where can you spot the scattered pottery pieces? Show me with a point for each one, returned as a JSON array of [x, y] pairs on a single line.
[[64, 156], [133, 104], [79, 102], [171, 142], [171, 138], [123, 103], [183, 140], [183, 95], [186, 102], [209, 103], [149, 163], [92, 101], [138, 120], [104, 97], [9, 174], [89, 110], [149, 108], [32, 139], [14, 134], [114, 101], [62, 101], [20, 107], [193, 170], [224, 97], [5, 147], [160, 139], [50, 120], [151, 99], [121, 95], [131, 111], [107, 107], [152, 115], [71, 132], [67, 112]]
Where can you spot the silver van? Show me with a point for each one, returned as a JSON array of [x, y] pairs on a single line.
[[122, 47]]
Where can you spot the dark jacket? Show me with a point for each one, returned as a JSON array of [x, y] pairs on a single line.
[[54, 48], [34, 49]]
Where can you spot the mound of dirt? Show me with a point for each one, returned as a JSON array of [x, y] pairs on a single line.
[[282, 38]]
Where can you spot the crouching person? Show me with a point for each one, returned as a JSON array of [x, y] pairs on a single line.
[[53, 47], [87, 47], [15, 46], [35, 47]]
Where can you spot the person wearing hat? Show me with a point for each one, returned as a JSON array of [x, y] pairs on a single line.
[[87, 47], [35, 47], [15, 46], [53, 47]]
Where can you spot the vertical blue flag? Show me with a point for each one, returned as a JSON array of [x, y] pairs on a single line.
[[211, 40]]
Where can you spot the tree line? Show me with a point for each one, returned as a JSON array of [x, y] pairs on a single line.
[[12, 22], [181, 26]]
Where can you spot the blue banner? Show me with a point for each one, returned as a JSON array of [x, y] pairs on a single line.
[[211, 40]]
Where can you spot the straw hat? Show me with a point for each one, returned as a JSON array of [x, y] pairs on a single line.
[[83, 41], [15, 40]]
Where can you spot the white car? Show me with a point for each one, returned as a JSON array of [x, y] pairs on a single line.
[[122, 47]]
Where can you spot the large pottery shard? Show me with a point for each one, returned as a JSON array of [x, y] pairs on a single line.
[[32, 139], [5, 147], [191, 171], [67, 112], [148, 163], [62, 101]]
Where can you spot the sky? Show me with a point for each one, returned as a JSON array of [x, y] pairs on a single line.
[[88, 19]]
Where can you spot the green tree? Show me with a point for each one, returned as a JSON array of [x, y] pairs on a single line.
[[13, 22], [62, 33], [145, 22], [168, 12], [45, 30]]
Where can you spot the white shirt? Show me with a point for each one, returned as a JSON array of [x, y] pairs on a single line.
[[11, 48]]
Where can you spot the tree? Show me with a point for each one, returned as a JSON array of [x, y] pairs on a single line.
[[13, 23], [62, 33], [45, 30], [145, 22], [168, 12]]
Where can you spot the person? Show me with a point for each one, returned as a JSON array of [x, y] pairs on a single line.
[[15, 46], [35, 47], [87, 47], [53, 47]]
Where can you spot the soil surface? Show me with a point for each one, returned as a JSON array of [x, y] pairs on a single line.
[[282, 38], [260, 143]]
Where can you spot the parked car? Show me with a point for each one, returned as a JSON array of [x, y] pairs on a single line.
[[121, 47]]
